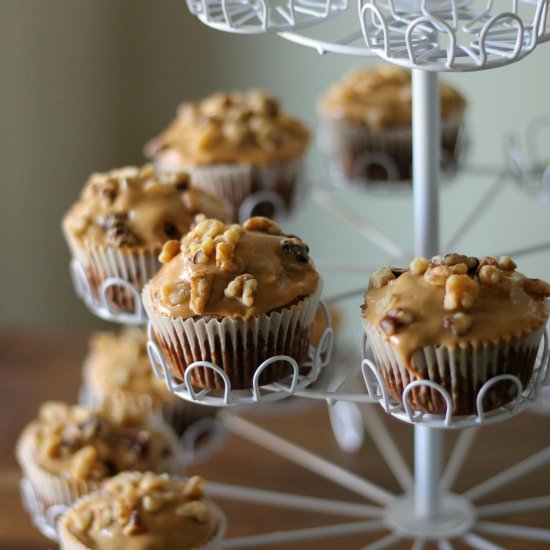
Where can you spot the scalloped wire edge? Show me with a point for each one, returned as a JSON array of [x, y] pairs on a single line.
[[44, 520], [101, 305], [319, 357], [524, 396]]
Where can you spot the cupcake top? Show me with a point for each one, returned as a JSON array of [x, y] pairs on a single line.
[[454, 300], [118, 365], [91, 445], [138, 511], [137, 207], [380, 98], [232, 271], [230, 128]]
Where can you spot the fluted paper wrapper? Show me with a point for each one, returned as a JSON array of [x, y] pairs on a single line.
[[234, 183], [55, 489], [367, 156], [132, 264], [461, 371], [68, 541], [237, 346]]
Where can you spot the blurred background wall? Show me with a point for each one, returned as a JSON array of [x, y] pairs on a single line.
[[85, 83]]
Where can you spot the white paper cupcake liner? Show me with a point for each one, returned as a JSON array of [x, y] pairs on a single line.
[[134, 265], [237, 346], [461, 371], [236, 182], [364, 155], [68, 541], [55, 489]]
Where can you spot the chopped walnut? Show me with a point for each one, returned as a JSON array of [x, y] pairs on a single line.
[[536, 287], [419, 266], [490, 275], [175, 294], [194, 487], [243, 288], [506, 263], [206, 228], [232, 234], [117, 232], [488, 260], [437, 275], [210, 136], [151, 504], [224, 257], [296, 247], [170, 250], [83, 462], [135, 524], [195, 509], [82, 520], [461, 292], [394, 319], [381, 277], [104, 518], [201, 288], [458, 323], [260, 223]]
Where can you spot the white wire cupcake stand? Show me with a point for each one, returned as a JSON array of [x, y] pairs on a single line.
[[427, 36]]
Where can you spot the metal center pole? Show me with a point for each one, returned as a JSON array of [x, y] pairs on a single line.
[[426, 155]]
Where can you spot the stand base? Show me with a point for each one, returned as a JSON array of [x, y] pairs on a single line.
[[456, 518]]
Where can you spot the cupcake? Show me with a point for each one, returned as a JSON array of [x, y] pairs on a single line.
[[235, 145], [368, 121], [69, 450], [122, 219], [234, 296], [457, 321], [144, 510], [117, 367]]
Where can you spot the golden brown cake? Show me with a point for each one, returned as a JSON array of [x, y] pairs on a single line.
[[368, 116], [118, 367], [141, 511], [122, 219], [235, 296], [458, 321], [68, 450], [235, 144]]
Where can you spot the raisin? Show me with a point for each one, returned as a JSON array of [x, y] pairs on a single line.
[[297, 248]]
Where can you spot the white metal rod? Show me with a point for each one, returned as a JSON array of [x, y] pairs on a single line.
[[306, 459], [444, 545], [515, 531], [483, 203], [278, 537], [346, 214], [299, 502], [505, 508], [426, 155], [418, 544], [387, 447], [386, 542], [456, 460], [480, 543], [511, 474]]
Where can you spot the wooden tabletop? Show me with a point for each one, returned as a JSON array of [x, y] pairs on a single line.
[[37, 366]]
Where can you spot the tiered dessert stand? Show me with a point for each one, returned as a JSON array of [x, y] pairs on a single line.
[[427, 36]]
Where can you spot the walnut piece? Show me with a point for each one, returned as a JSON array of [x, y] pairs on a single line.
[[194, 487], [243, 288], [170, 250], [201, 288], [461, 292], [265, 225], [394, 319], [458, 323], [195, 509], [437, 275], [134, 525], [224, 257], [419, 266], [537, 287], [381, 277], [151, 504], [491, 275], [175, 294], [82, 519], [83, 462], [296, 247], [506, 263]]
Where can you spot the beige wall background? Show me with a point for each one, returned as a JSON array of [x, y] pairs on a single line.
[[84, 83]]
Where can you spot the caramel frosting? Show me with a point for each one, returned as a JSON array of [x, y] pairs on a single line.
[[380, 98], [230, 128], [131, 207], [232, 271], [118, 364], [91, 445], [142, 511], [454, 301]]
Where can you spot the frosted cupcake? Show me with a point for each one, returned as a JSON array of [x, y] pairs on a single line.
[[144, 510], [234, 296], [69, 450], [122, 219], [457, 321], [234, 145], [368, 120], [117, 367]]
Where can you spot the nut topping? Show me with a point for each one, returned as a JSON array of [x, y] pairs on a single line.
[[195, 509], [461, 292], [169, 250], [458, 323], [394, 319], [419, 266], [381, 277], [536, 287], [243, 288], [490, 275], [296, 247], [201, 288], [265, 225]]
